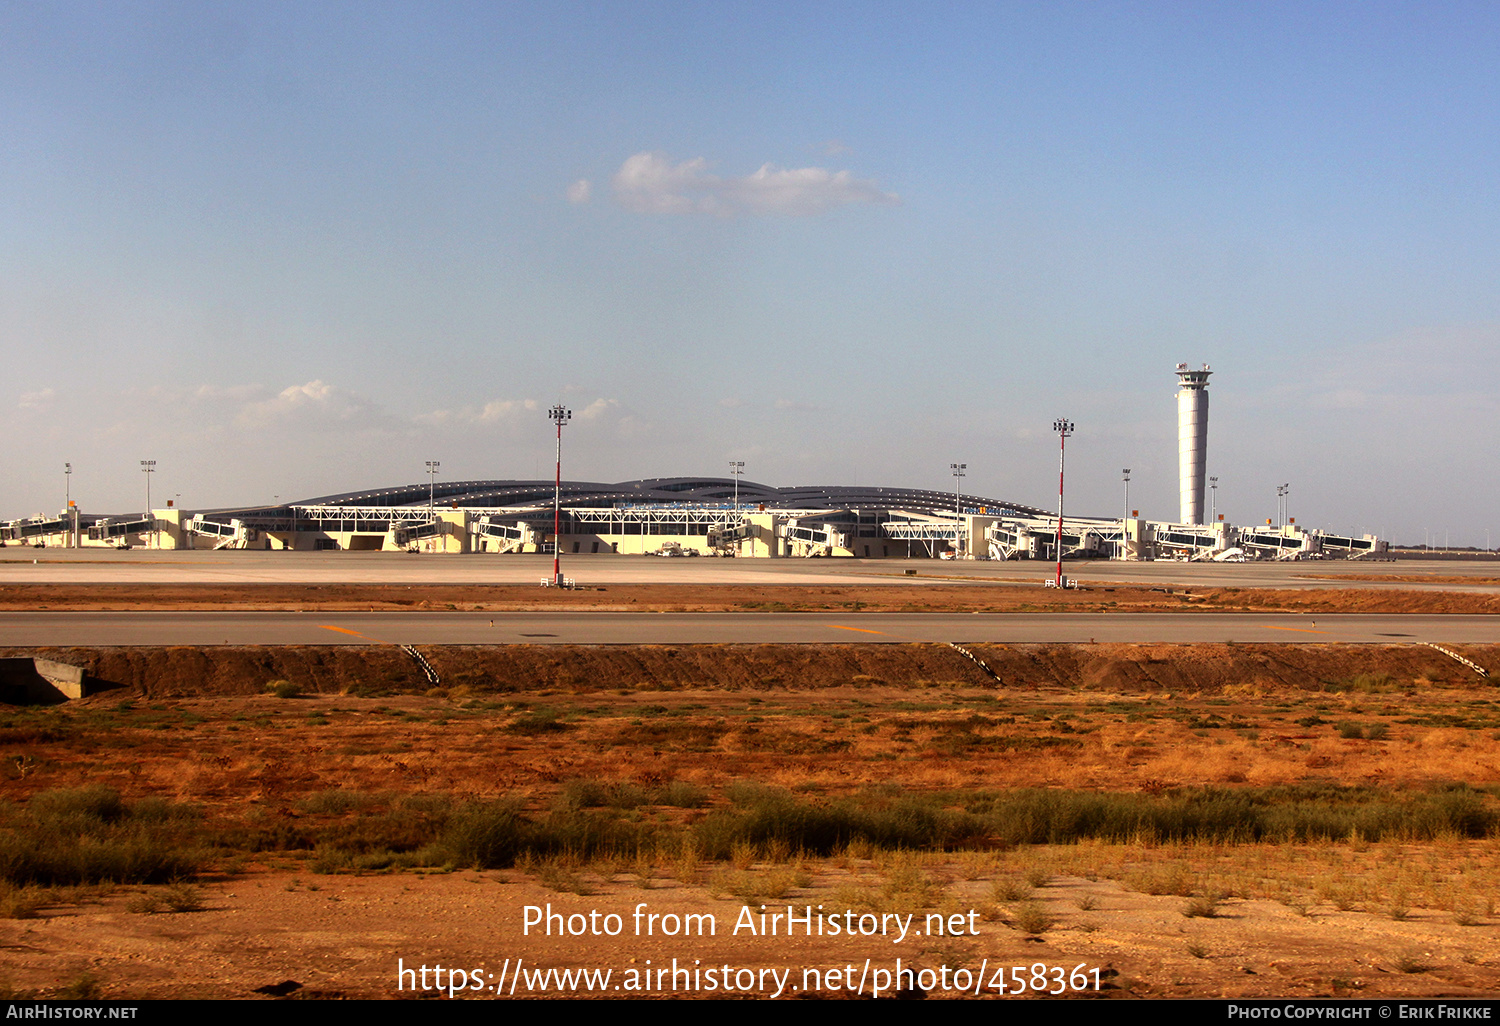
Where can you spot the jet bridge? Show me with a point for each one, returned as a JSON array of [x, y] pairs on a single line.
[[1278, 543], [108, 529], [235, 534], [32, 527], [1036, 538], [817, 539], [505, 535]]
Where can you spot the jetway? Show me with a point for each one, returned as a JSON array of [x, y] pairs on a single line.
[[1350, 546], [235, 534], [1278, 543], [503, 535], [725, 536], [409, 533], [32, 528], [1195, 541], [818, 539], [1036, 538], [118, 530]]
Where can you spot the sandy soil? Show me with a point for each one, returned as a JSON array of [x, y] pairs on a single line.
[[325, 937]]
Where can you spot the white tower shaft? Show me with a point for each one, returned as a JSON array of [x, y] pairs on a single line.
[[1192, 441]]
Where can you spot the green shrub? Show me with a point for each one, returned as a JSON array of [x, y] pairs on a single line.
[[336, 801], [540, 721], [88, 835], [483, 837], [1202, 906]]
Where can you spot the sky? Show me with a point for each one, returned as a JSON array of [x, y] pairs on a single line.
[[292, 249]]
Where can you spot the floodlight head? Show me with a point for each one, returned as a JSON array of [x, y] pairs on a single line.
[[561, 414], [1063, 426]]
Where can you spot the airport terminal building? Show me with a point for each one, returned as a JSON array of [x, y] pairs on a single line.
[[680, 517]]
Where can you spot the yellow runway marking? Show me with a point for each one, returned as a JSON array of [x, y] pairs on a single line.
[[345, 630], [1304, 630], [862, 630]]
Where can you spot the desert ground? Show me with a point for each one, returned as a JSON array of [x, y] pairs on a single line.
[[1118, 821]]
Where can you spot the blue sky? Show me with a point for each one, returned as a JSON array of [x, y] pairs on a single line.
[[291, 249]]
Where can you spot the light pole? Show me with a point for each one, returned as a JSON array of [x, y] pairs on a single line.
[[1213, 490], [148, 467], [68, 501], [958, 480], [432, 469], [1064, 428], [561, 415], [736, 467], [1281, 493], [1125, 520]]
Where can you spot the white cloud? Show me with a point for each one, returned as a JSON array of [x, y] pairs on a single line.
[[40, 400], [496, 411], [599, 409], [651, 184], [313, 401], [620, 420], [580, 191]]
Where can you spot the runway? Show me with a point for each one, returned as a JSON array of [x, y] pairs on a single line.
[[62, 629], [105, 566]]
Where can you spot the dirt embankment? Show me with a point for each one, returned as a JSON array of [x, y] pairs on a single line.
[[341, 669]]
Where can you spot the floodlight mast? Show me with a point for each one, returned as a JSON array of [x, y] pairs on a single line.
[[561, 414], [432, 469], [148, 467], [1064, 428], [958, 479], [1124, 529], [736, 467]]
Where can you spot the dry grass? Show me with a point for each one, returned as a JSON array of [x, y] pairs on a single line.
[[1032, 918], [867, 770]]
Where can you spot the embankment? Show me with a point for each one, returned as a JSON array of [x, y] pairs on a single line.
[[1116, 668]]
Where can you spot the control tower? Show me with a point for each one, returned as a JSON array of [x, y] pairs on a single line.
[[1192, 441]]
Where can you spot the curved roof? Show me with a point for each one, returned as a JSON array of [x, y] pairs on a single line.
[[660, 490]]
